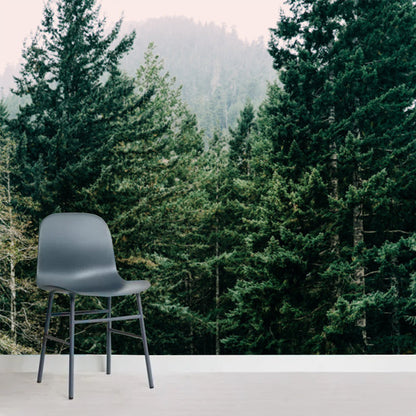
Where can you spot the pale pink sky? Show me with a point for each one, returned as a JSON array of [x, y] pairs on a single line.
[[251, 19]]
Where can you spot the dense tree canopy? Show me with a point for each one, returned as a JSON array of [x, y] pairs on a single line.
[[342, 136], [292, 231], [76, 96]]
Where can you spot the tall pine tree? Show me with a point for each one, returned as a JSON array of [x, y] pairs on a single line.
[[16, 247], [336, 225], [348, 69], [149, 193], [76, 95]]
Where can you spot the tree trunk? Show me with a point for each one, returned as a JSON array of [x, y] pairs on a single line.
[[191, 324], [12, 259], [358, 235], [395, 321], [13, 309], [333, 171], [217, 280], [217, 302], [333, 165], [358, 238]]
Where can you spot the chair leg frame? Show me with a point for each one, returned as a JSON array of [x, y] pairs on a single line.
[[108, 343], [144, 340], [109, 331], [45, 338], [71, 345]]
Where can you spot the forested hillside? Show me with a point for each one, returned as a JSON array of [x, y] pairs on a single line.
[[292, 231], [218, 72]]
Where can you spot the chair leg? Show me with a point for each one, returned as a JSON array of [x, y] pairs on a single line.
[[108, 371], [71, 345], [144, 339], [46, 332]]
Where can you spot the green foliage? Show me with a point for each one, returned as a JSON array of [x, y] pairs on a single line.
[[76, 95], [339, 131], [148, 191], [239, 144], [215, 89], [17, 248], [218, 71], [289, 231]]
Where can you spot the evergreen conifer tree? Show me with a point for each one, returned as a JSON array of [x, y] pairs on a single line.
[[76, 95], [239, 143], [335, 229], [349, 83], [149, 193], [16, 247]]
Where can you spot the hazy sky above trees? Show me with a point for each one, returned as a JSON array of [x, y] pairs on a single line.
[[251, 19]]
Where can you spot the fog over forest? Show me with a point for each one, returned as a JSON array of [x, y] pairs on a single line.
[[285, 225], [218, 71]]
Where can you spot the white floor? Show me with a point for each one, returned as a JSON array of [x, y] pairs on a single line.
[[212, 386]]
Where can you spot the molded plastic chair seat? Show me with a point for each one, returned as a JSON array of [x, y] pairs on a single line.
[[92, 283], [76, 257]]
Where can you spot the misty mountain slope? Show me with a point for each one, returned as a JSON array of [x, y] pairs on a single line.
[[218, 71]]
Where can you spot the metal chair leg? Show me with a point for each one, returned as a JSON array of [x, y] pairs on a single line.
[[108, 371], [45, 339], [71, 345], [144, 339]]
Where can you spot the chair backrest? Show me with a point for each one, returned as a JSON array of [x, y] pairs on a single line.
[[73, 246]]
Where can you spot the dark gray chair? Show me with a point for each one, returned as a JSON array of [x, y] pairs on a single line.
[[76, 257]]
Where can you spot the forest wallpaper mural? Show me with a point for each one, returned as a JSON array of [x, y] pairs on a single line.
[[274, 213]]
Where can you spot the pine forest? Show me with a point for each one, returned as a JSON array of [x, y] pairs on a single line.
[[275, 221]]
